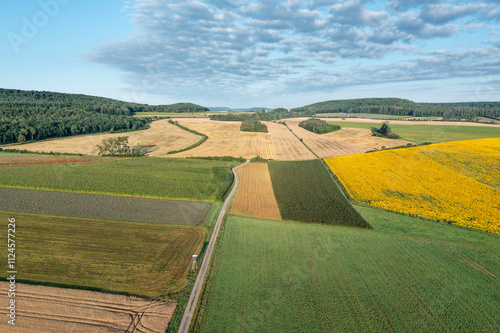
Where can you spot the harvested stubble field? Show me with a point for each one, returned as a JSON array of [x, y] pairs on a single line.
[[451, 181], [339, 143], [99, 206], [427, 131], [226, 139], [306, 192], [286, 145], [168, 178], [46, 310], [164, 137], [142, 259], [321, 278], [255, 196]]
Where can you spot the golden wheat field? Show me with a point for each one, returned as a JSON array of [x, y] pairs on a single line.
[[161, 137], [255, 196], [454, 181]]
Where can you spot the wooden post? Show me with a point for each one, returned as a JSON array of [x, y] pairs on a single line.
[[194, 265]]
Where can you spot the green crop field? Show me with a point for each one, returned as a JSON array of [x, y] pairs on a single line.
[[406, 275], [143, 259], [306, 192], [193, 179], [432, 133]]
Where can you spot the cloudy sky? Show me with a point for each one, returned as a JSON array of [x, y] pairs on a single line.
[[244, 53]]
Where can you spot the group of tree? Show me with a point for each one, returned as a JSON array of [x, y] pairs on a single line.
[[118, 146], [318, 126], [384, 131], [253, 125]]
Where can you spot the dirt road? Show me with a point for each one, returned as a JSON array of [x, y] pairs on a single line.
[[198, 284]]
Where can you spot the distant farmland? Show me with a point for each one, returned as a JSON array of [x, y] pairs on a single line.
[[277, 276], [306, 192], [174, 178], [425, 131], [143, 259], [102, 206]]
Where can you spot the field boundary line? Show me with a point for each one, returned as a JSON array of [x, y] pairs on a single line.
[[200, 279], [204, 138], [301, 140]]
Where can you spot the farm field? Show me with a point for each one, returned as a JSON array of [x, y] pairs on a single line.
[[167, 178], [306, 192], [341, 142], [143, 259], [226, 139], [286, 145], [447, 181], [30, 159], [47, 309], [321, 278], [363, 115], [428, 131], [255, 196], [98, 206], [161, 136]]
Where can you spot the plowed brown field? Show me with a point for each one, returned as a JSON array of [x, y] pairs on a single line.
[[47, 309], [342, 142], [255, 196], [286, 145], [164, 137], [226, 139]]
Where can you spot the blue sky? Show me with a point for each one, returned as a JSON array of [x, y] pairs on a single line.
[[243, 53]]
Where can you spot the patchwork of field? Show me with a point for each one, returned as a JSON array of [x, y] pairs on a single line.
[[286, 145], [162, 137], [306, 192], [278, 276], [451, 181], [102, 206], [47, 309], [142, 259], [255, 196], [167, 178], [425, 131], [226, 139]]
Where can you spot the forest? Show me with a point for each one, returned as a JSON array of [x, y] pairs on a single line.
[[403, 107], [37, 115]]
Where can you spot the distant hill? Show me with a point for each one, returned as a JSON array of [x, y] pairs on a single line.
[[404, 107], [223, 108], [37, 115]]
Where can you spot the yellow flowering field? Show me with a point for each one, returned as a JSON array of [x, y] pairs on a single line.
[[453, 181]]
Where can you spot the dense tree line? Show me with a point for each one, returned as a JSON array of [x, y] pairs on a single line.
[[38, 115], [318, 126], [403, 107]]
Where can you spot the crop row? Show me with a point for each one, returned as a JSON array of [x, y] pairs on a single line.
[[192, 179], [306, 192]]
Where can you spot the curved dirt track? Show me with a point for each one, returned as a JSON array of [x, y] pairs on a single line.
[[47, 309]]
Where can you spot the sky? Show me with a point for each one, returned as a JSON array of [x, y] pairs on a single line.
[[253, 53]]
